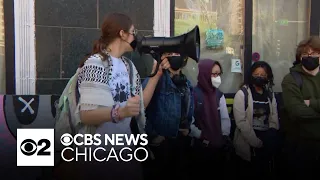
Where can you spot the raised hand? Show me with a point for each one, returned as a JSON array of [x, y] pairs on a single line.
[[164, 65]]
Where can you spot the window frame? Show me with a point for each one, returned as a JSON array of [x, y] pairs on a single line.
[[8, 12]]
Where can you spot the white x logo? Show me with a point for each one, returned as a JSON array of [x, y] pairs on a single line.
[[27, 105]]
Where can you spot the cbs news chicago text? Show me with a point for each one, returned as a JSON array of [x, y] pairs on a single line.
[[35, 147], [84, 143]]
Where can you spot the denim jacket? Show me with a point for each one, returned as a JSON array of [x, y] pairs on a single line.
[[164, 111]]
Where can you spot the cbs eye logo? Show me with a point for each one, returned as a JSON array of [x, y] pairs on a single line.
[[29, 147], [66, 139], [35, 147]]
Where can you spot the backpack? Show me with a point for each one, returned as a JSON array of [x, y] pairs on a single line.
[[198, 94], [65, 121]]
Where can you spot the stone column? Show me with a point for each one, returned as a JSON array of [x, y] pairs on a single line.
[[25, 61], [161, 18]]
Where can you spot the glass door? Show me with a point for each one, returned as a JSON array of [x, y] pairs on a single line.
[[278, 26]]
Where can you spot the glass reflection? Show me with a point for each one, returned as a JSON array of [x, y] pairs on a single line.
[[221, 31]]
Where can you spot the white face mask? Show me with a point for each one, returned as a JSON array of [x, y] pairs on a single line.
[[216, 81]]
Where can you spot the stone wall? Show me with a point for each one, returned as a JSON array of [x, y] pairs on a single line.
[[65, 31]]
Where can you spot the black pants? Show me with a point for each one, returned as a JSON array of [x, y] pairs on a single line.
[[208, 161], [303, 158], [262, 158], [171, 159]]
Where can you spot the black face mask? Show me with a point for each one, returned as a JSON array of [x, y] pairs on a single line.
[[134, 44], [259, 81], [179, 80], [176, 62], [310, 62]]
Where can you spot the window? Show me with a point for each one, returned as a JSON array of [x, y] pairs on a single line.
[[278, 26], [221, 31]]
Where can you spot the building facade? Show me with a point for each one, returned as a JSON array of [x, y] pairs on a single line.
[[51, 37]]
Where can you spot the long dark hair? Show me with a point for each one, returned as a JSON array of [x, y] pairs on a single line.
[[268, 70], [111, 26]]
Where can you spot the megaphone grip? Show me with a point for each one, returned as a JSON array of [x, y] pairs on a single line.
[[157, 57]]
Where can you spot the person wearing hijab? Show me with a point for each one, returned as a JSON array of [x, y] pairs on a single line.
[[211, 123]]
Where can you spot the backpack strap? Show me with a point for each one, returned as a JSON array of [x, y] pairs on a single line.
[[270, 95], [73, 130], [218, 96], [297, 77], [245, 92], [77, 93], [130, 73], [198, 96], [72, 97]]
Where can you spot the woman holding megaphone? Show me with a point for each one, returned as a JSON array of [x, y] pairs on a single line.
[[110, 94]]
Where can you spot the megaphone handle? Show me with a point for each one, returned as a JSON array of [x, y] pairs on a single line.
[[157, 57]]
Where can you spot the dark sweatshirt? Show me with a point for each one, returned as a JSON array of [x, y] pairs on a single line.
[[305, 120]]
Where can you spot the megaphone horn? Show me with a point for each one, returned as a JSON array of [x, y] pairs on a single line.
[[187, 44]]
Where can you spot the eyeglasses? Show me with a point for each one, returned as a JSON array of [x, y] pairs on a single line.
[[260, 75], [134, 32], [216, 74], [310, 54]]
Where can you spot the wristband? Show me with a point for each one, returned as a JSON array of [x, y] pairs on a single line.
[[115, 116]]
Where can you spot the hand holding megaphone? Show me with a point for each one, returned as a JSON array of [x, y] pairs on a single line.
[[163, 65]]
